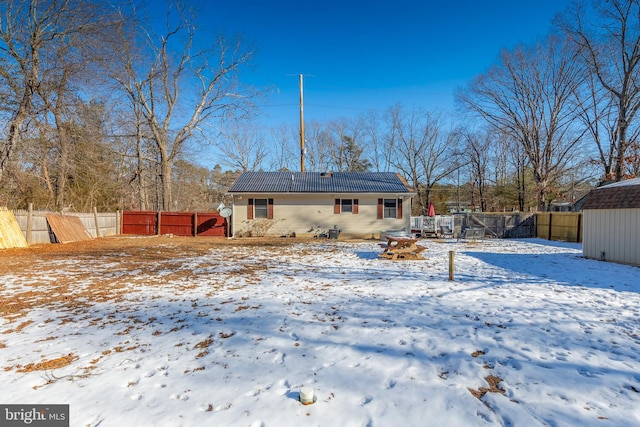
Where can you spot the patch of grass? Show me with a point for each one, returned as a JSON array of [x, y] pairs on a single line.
[[45, 365]]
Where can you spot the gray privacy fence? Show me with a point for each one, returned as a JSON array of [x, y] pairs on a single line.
[[501, 225], [36, 229], [559, 226]]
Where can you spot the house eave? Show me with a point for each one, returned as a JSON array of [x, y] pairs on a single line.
[[404, 194]]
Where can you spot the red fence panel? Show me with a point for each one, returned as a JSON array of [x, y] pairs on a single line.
[[176, 223], [139, 223], [211, 224]]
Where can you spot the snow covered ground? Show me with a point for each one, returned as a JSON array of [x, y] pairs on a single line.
[[528, 334]]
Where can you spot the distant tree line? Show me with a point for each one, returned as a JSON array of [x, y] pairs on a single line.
[[102, 105]]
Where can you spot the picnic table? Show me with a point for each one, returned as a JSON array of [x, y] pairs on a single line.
[[401, 247]]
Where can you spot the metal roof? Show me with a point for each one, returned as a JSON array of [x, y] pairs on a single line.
[[317, 182]]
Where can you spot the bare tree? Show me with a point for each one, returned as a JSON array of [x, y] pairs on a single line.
[[345, 149], [219, 183], [317, 148], [285, 149], [135, 160], [528, 94], [608, 36], [422, 149], [159, 83], [597, 112], [633, 160], [477, 146], [377, 151], [520, 162], [510, 172], [35, 35], [131, 132], [243, 147], [192, 187]]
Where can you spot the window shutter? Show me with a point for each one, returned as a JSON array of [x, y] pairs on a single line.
[[250, 209], [270, 209], [399, 208], [355, 206], [380, 208], [336, 206]]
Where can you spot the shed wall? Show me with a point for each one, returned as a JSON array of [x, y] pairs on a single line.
[[612, 235]]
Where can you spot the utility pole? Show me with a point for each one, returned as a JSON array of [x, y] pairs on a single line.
[[301, 126]]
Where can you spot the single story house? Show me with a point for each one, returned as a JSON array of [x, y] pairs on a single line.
[[359, 204], [611, 223]]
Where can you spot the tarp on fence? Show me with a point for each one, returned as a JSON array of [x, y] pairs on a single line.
[[10, 233]]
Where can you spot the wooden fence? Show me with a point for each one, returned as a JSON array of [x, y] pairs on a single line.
[[176, 223], [36, 229], [561, 226]]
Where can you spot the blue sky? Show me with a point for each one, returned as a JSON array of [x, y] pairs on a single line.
[[369, 55]]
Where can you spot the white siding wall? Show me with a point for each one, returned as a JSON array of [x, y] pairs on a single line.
[[300, 213], [614, 232]]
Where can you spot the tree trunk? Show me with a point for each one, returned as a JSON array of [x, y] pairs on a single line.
[[541, 190], [622, 144], [140, 172], [165, 168], [15, 126], [63, 162]]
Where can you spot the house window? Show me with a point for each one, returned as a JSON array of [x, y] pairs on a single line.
[[349, 206], [390, 208], [260, 208]]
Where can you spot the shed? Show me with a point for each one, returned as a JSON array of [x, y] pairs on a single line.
[[359, 204], [611, 218]]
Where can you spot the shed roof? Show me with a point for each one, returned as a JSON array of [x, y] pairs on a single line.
[[317, 182], [619, 195]]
